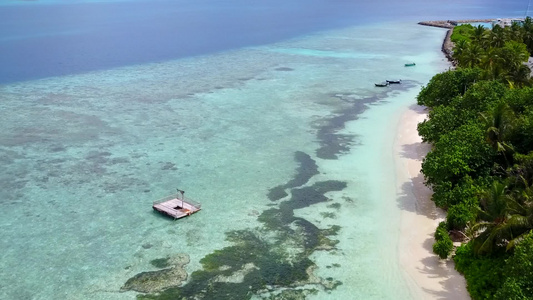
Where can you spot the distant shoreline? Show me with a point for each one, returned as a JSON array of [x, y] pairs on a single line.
[[452, 23], [447, 44]]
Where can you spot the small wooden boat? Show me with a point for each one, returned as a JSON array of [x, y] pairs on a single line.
[[394, 81], [175, 206], [383, 84], [410, 64]]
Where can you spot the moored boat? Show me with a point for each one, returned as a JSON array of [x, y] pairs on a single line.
[[382, 84], [394, 81]]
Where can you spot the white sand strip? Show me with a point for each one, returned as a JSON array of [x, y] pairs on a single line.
[[428, 276]]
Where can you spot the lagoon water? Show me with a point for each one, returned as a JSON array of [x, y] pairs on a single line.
[[266, 113]]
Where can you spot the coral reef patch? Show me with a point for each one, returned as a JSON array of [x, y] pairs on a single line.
[[270, 261], [173, 274]]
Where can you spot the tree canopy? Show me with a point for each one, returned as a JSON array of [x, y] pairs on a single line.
[[480, 168], [500, 53]]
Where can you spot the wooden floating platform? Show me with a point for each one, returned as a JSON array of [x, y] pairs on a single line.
[[176, 207]]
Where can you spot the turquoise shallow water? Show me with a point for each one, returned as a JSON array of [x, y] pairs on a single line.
[[85, 155]]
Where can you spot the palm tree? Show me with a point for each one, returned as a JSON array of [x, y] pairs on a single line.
[[459, 50], [518, 77], [471, 56], [491, 62], [505, 216], [497, 36], [499, 124], [515, 32], [528, 33], [515, 54], [491, 229], [479, 34], [522, 211], [527, 24], [513, 57]]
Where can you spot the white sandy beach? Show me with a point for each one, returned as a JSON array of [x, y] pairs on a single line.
[[429, 277]]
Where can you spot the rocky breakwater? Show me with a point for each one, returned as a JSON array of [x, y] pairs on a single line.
[[442, 24], [447, 44]]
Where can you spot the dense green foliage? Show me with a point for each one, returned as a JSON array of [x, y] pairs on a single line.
[[444, 244], [480, 124], [462, 33], [500, 277], [519, 272], [444, 87], [457, 154], [499, 52], [483, 274]]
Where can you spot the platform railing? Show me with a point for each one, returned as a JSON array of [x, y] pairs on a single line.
[[184, 199]]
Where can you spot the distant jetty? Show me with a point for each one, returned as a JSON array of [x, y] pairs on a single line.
[[452, 23], [447, 44]]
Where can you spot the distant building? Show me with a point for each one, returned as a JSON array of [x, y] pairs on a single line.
[[507, 22]]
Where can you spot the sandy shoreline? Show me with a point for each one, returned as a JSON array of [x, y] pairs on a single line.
[[427, 275]]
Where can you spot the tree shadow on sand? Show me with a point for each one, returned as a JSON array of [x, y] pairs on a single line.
[[419, 109], [415, 198], [451, 284], [415, 151]]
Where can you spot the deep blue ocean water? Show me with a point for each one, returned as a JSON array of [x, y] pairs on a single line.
[[53, 38], [257, 109]]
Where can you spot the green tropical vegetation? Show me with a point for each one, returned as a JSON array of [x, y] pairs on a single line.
[[480, 168], [443, 243], [500, 53]]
